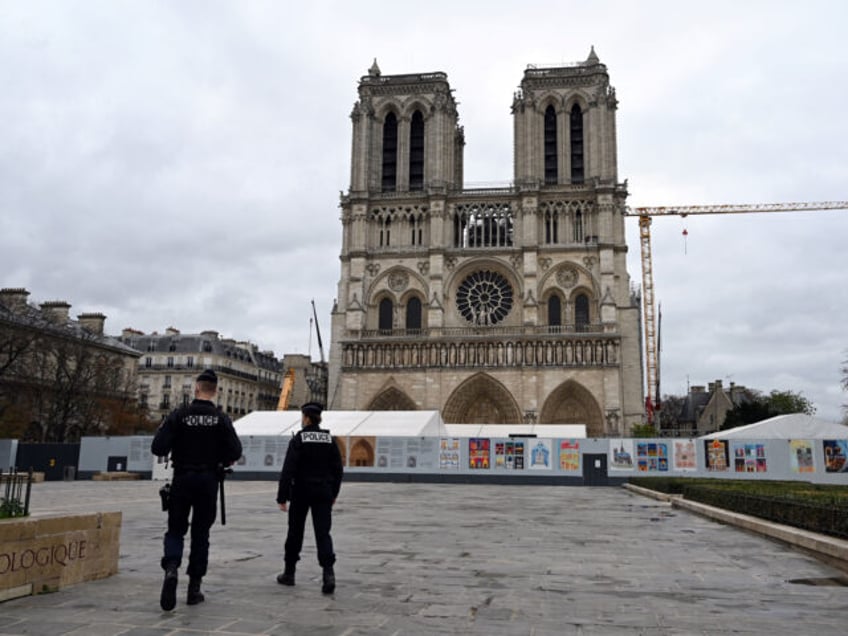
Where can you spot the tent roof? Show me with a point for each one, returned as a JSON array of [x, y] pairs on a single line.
[[344, 423], [505, 430], [791, 426]]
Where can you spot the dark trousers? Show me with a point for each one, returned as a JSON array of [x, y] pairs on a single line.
[[322, 509], [192, 493]]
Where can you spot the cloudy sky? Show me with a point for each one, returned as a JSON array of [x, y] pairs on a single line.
[[179, 163]]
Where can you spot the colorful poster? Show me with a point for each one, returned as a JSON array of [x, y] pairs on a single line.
[[835, 455], [621, 454], [478, 453], [716, 453], [569, 455], [684, 455], [749, 458], [652, 457], [801, 456], [449, 453], [509, 455], [540, 454]]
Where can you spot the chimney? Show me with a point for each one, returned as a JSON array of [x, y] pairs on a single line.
[[129, 332], [697, 389], [172, 331], [92, 322], [15, 298], [56, 310]]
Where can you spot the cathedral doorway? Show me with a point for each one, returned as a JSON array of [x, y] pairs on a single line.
[[481, 400], [571, 403], [392, 399]]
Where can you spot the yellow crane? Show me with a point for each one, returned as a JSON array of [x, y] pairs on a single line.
[[645, 215], [286, 390]]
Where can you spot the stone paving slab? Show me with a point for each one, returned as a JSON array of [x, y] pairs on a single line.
[[445, 559]]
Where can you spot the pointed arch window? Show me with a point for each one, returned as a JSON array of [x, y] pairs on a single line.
[[578, 227], [554, 312], [390, 139], [416, 152], [551, 227], [385, 315], [576, 120], [581, 312], [550, 146], [413, 314]]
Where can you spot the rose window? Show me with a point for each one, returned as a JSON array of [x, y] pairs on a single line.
[[484, 298]]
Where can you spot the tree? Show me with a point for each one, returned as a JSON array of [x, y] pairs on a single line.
[[761, 407]]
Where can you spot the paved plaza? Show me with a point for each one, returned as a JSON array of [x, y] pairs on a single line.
[[445, 559]]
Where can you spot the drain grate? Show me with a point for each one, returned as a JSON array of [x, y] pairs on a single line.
[[834, 581]]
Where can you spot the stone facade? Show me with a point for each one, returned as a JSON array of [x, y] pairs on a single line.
[[497, 305], [248, 379]]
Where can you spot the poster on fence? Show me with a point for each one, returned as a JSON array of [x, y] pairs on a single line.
[[478, 453], [652, 457], [749, 458], [569, 455], [835, 455], [509, 455], [449, 453], [621, 454], [801, 456], [540, 454], [716, 454], [684, 455]]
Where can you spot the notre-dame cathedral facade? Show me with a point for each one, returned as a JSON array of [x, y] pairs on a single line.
[[491, 305]]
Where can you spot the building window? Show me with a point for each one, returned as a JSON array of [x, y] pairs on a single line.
[[189, 361], [576, 144], [413, 314], [550, 145], [578, 227], [554, 311], [385, 315], [172, 346], [551, 227], [581, 313], [390, 139], [170, 362], [416, 152], [167, 382], [484, 298], [166, 401], [148, 362]]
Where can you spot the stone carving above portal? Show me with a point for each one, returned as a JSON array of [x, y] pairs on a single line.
[[450, 262], [424, 267], [373, 268], [567, 276], [398, 281], [545, 263]]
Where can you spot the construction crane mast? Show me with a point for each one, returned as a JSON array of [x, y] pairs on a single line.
[[645, 215]]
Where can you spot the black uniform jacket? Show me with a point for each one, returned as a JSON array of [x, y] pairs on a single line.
[[198, 436], [313, 466]]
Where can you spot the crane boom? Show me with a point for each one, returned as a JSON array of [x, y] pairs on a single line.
[[645, 214], [318, 332]]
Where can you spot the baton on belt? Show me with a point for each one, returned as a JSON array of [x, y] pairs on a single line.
[[222, 474]]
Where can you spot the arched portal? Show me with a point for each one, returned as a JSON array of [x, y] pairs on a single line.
[[481, 400], [392, 399], [572, 403], [362, 453]]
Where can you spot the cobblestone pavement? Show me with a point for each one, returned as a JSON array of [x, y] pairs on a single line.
[[445, 559]]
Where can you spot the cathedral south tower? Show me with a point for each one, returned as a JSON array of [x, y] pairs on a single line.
[[497, 305]]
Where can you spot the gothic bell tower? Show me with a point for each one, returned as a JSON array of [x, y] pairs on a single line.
[[497, 305]]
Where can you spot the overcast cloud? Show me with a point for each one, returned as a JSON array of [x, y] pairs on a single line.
[[179, 163]]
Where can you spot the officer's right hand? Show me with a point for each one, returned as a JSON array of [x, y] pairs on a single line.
[[283, 507]]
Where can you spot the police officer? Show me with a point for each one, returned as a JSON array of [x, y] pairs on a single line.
[[202, 441], [310, 480]]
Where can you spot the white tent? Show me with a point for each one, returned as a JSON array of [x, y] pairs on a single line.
[[791, 426], [345, 423], [505, 430]]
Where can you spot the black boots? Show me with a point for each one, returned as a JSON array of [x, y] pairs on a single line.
[[194, 595], [329, 580], [168, 598], [287, 577]]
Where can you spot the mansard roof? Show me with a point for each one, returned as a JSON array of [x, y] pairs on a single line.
[[206, 342], [26, 316]]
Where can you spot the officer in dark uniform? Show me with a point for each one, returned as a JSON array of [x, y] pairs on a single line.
[[310, 480], [202, 442]]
